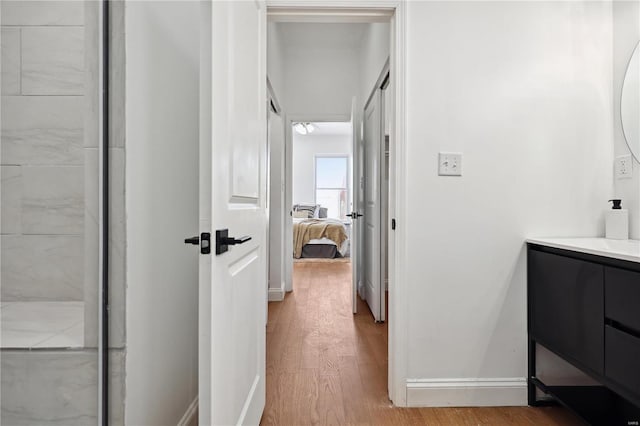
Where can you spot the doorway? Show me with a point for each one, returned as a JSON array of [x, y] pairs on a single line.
[[318, 80]]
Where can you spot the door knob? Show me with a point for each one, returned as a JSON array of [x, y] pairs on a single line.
[[354, 215], [193, 240], [204, 241], [223, 240]]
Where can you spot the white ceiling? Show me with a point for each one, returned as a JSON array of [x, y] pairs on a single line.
[[321, 35], [331, 129]]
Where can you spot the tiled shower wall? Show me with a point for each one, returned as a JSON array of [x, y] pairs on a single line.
[[43, 151], [50, 201]]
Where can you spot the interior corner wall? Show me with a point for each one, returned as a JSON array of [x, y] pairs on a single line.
[[374, 53], [523, 90], [162, 133], [626, 34], [275, 58]]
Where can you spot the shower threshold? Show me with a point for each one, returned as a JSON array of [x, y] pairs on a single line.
[[39, 325]]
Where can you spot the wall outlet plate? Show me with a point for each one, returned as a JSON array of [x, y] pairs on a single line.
[[624, 167], [450, 164]]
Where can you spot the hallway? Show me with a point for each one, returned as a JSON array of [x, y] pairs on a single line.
[[328, 366]]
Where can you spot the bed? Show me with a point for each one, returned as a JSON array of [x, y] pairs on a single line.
[[319, 238]]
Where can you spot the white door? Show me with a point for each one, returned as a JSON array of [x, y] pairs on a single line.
[[356, 196], [233, 285], [371, 234]]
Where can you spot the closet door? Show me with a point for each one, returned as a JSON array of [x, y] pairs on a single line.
[[373, 140]]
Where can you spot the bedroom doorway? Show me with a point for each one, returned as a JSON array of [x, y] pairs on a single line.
[[324, 70], [321, 190]]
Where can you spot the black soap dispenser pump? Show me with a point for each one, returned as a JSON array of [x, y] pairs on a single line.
[[617, 221]]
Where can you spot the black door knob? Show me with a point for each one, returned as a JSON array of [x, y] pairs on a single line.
[[203, 240], [193, 240]]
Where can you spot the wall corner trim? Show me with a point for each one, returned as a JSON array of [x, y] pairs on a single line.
[[467, 392], [190, 417], [276, 294]]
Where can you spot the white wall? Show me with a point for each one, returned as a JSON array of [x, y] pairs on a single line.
[[275, 61], [626, 34], [305, 149], [162, 44], [523, 89], [321, 73], [373, 55]]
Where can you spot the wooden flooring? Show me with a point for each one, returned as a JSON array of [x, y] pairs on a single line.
[[328, 366]]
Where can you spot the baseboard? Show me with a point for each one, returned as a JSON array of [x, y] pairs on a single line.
[[190, 417], [276, 294], [499, 392]]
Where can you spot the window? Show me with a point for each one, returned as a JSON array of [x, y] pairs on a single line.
[[332, 189]]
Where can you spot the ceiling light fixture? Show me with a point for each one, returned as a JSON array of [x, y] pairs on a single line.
[[304, 128]]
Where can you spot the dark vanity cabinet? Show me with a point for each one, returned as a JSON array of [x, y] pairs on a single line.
[[586, 309], [622, 329]]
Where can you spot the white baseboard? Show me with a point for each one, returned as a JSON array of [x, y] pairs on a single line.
[[190, 417], [276, 295], [499, 392]]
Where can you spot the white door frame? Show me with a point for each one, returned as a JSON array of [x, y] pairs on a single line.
[[377, 11]]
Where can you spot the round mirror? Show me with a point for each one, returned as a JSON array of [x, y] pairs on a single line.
[[630, 104]]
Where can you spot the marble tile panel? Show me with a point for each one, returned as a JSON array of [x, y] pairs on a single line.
[[10, 199], [117, 248], [117, 75], [116, 386], [93, 62], [47, 12], [71, 338], [53, 61], [49, 388], [10, 47], [53, 200], [30, 324], [42, 267], [41, 130], [92, 246]]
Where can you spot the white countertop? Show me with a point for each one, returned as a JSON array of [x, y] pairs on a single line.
[[617, 249]]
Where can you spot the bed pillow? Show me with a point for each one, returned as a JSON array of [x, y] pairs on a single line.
[[311, 209], [301, 215]]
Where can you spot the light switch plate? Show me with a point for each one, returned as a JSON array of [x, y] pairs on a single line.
[[450, 164], [624, 167]]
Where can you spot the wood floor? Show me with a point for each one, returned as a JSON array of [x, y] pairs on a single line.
[[328, 366]]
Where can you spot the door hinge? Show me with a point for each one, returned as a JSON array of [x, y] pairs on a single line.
[[393, 224]]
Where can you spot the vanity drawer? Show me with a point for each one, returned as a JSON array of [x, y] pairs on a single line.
[[622, 359], [566, 308], [622, 297]]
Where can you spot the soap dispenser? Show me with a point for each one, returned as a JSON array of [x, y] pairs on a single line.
[[617, 222]]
